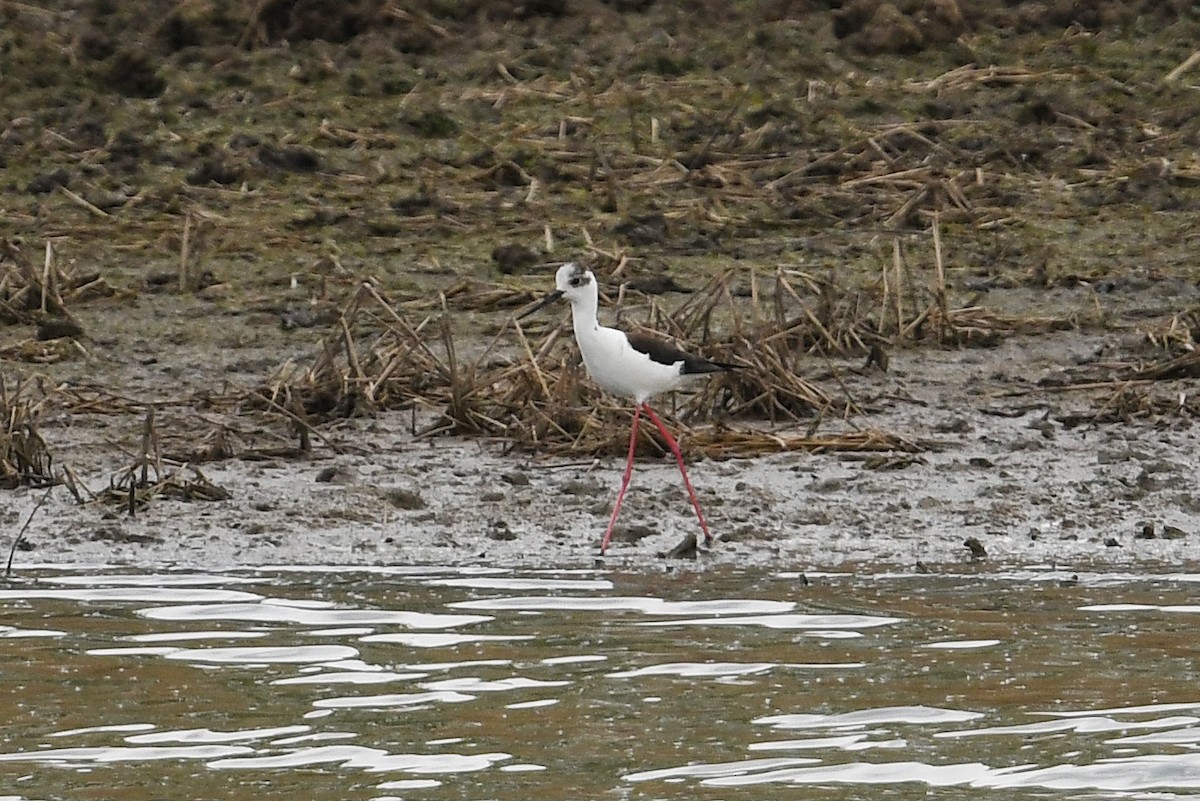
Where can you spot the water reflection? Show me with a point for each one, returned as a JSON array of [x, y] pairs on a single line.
[[277, 611], [441, 682]]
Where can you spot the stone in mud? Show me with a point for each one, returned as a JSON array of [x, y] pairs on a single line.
[[581, 488], [513, 257], [942, 21], [105, 200], [659, 284], [828, 486], [632, 532], [644, 229], [687, 548], [290, 158], [405, 499], [852, 16], [328, 20], [516, 478], [500, 530], [132, 74], [1170, 532], [976, 548], [95, 45], [742, 533], [214, 171], [335, 474], [47, 182], [955, 425], [58, 328], [882, 29]]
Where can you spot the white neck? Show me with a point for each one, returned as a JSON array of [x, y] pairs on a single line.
[[583, 315]]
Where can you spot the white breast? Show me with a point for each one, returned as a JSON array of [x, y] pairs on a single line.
[[620, 369]]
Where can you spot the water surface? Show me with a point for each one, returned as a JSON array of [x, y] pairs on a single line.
[[452, 683]]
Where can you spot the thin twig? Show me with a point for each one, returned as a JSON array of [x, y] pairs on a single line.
[[84, 204], [1188, 63], [21, 534], [185, 254]]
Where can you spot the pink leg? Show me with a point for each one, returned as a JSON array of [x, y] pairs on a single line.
[[637, 413], [686, 482]]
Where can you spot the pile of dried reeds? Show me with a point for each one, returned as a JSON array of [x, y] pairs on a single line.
[[152, 475], [532, 391], [376, 359], [133, 489], [1186, 365], [24, 457], [1178, 335], [1177, 338], [1128, 401], [1123, 390], [39, 296]]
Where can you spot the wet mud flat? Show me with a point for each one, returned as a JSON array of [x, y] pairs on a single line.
[[258, 276], [999, 480]]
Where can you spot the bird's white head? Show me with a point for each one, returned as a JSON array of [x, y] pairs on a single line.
[[574, 283]]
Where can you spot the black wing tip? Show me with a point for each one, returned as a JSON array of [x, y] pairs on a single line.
[[698, 366]]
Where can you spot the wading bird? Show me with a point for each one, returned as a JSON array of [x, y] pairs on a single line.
[[632, 365]]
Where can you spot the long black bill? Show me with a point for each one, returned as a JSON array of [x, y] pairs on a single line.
[[543, 303]]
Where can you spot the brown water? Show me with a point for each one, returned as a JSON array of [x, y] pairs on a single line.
[[467, 683]]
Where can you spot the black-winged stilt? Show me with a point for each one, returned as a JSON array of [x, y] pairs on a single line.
[[634, 365]]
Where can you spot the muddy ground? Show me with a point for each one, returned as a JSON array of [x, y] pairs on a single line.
[[216, 180]]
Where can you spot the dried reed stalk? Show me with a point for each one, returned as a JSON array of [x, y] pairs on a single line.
[[29, 294], [129, 492], [1185, 366], [24, 457], [380, 357]]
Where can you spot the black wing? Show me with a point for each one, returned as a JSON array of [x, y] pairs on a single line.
[[665, 352]]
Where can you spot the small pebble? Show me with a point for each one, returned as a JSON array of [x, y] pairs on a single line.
[[516, 478]]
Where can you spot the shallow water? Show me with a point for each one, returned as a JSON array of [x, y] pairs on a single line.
[[448, 683]]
